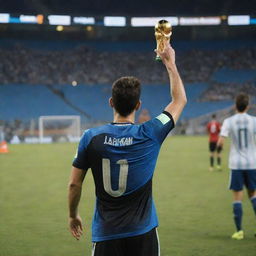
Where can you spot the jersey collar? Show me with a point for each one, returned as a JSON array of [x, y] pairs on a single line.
[[120, 124]]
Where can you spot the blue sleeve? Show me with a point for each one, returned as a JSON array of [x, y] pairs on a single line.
[[159, 127], [81, 160]]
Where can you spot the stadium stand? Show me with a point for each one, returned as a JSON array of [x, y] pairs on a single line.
[[36, 100], [234, 76], [41, 75], [28, 101], [26, 62]]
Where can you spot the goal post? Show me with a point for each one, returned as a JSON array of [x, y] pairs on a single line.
[[59, 129]]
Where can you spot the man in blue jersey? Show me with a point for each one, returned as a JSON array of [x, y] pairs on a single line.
[[122, 157]]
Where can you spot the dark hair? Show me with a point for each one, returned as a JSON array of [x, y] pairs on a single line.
[[242, 101], [126, 94], [213, 116]]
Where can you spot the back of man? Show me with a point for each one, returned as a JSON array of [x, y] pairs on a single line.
[[241, 128], [122, 157]]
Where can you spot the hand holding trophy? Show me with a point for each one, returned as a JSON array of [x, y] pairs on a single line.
[[163, 32]]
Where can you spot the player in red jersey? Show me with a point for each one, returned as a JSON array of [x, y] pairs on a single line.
[[213, 129]]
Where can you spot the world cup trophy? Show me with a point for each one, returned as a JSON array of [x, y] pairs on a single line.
[[163, 32]]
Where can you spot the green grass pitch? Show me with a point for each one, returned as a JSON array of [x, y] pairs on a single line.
[[194, 205]]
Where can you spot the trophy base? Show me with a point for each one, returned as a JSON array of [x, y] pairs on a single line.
[[158, 59]]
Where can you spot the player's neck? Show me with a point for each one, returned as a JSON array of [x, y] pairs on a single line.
[[124, 119]]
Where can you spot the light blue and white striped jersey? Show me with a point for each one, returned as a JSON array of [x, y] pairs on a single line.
[[241, 128]]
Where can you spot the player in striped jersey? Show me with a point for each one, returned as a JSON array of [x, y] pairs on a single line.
[[241, 128]]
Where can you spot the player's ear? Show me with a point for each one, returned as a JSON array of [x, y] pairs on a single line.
[[138, 105], [110, 101]]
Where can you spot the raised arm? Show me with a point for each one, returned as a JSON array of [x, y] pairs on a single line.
[[74, 194], [178, 93]]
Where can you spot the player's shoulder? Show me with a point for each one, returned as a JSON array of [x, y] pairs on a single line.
[[230, 118], [165, 117], [251, 117], [88, 134], [236, 118], [227, 121], [162, 119], [243, 117]]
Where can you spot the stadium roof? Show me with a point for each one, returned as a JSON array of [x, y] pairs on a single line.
[[129, 7]]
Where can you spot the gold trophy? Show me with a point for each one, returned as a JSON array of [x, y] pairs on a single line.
[[163, 32]]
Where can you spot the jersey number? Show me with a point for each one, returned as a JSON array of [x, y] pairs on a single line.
[[243, 138], [122, 177], [213, 128]]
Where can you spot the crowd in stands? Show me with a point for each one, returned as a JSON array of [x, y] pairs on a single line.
[[227, 91], [89, 66], [85, 65]]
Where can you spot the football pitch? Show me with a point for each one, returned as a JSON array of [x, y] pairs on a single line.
[[194, 205]]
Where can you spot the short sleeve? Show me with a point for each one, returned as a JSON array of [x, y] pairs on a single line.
[[81, 160], [225, 128], [160, 126]]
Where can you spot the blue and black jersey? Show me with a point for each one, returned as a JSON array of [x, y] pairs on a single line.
[[122, 157]]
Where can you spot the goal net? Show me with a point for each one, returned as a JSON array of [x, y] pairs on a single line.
[[59, 129]]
